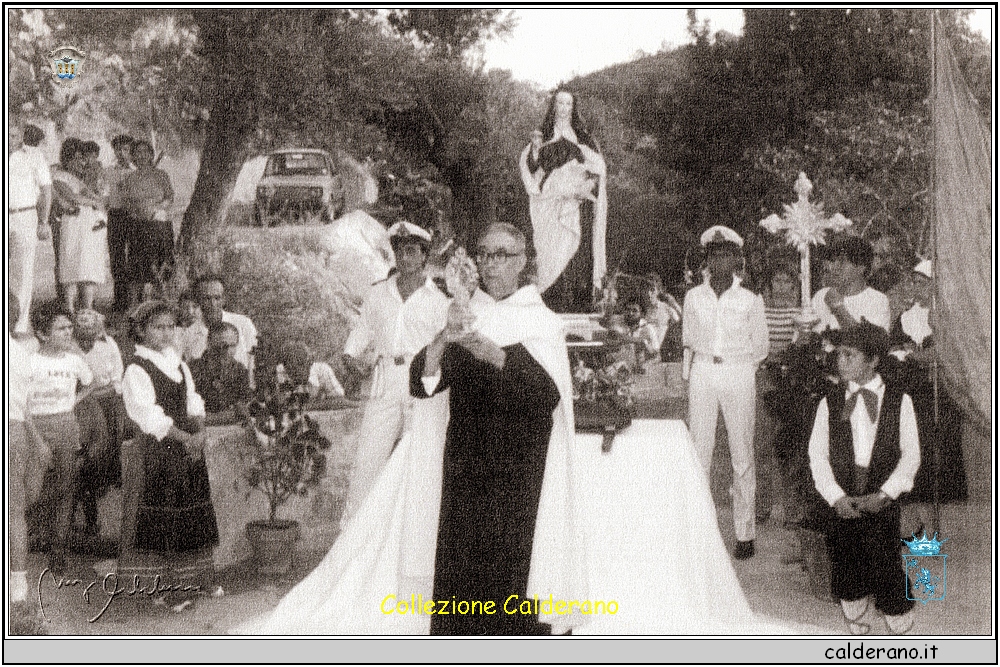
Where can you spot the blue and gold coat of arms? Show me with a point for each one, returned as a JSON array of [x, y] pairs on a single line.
[[66, 62], [926, 568]]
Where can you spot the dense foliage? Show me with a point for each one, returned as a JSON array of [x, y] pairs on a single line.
[[714, 131]]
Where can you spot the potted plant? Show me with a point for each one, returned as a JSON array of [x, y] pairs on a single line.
[[281, 456]]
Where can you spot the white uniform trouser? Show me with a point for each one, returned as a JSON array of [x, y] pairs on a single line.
[[380, 430], [22, 240], [733, 388]]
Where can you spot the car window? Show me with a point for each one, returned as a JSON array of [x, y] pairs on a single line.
[[297, 164]]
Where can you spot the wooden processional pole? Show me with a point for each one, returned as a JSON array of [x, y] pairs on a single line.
[[935, 378]]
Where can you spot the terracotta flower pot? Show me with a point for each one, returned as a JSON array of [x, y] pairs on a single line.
[[273, 544]]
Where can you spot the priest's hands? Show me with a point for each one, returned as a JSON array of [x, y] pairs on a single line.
[[484, 349]]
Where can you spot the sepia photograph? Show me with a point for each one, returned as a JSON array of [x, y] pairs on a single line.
[[654, 321]]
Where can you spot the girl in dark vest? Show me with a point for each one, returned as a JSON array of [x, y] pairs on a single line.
[[864, 452], [169, 525]]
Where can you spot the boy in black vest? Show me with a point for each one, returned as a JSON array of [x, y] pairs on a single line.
[[864, 452]]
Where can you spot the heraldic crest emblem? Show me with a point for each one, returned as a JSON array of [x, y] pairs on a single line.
[[66, 62], [926, 568]]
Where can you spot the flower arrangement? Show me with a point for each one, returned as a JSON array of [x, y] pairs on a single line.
[[282, 453], [611, 384]]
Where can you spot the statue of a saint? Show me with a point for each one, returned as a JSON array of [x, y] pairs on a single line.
[[566, 179]]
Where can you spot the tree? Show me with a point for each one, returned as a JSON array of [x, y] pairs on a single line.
[[450, 33]]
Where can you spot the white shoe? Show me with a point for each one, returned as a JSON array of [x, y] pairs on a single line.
[[854, 611], [901, 623], [18, 586]]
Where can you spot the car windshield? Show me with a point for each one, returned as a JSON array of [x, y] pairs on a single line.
[[297, 164]]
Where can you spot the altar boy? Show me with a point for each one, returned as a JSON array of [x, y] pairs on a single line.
[[864, 452]]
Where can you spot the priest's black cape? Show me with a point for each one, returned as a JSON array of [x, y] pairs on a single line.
[[494, 463]]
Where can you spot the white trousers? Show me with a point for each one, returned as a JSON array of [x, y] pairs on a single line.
[[381, 428], [731, 387], [22, 240]]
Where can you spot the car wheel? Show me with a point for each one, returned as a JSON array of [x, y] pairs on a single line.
[[260, 215]]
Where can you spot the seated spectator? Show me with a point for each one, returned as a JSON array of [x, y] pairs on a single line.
[[663, 311], [56, 372], [101, 417], [99, 350], [847, 299], [222, 382], [297, 367], [643, 334], [210, 293]]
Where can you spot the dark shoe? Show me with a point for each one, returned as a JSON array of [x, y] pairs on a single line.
[[743, 550]]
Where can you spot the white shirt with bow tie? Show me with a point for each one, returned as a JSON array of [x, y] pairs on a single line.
[[863, 431]]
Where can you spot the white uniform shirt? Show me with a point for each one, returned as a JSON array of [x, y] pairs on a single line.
[[52, 390], [731, 326], [28, 172], [390, 327], [863, 434], [140, 396], [869, 304]]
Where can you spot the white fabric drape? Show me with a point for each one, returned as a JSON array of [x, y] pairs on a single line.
[[963, 215]]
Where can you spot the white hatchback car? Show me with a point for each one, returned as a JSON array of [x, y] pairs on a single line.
[[298, 183]]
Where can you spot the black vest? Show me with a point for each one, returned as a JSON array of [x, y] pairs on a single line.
[[170, 395], [886, 451]]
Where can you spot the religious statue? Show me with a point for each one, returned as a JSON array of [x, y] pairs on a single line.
[[566, 179], [804, 224]]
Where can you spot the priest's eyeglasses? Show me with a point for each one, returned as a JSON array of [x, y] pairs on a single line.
[[502, 255]]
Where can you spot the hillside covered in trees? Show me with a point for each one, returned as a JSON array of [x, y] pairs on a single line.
[[712, 132]]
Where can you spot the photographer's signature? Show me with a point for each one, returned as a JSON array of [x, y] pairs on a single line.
[[110, 587]]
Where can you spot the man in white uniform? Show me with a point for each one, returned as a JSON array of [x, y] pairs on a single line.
[[400, 316], [28, 204], [849, 299], [725, 335]]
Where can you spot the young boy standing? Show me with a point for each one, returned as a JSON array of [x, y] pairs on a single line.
[[849, 299], [56, 372], [725, 330], [864, 452]]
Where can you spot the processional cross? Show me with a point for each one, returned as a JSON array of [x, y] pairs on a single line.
[[804, 224]]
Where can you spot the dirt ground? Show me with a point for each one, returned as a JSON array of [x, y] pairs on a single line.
[[775, 590]]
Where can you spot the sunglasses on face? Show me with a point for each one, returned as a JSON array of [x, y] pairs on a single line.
[[502, 254]]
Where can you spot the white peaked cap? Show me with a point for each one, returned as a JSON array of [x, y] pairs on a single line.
[[404, 228], [720, 233]]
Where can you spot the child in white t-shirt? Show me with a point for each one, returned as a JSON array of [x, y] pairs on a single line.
[[56, 372], [848, 299]]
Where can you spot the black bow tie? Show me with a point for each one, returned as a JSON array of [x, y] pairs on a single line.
[[871, 404]]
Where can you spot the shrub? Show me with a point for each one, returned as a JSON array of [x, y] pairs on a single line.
[[295, 283]]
